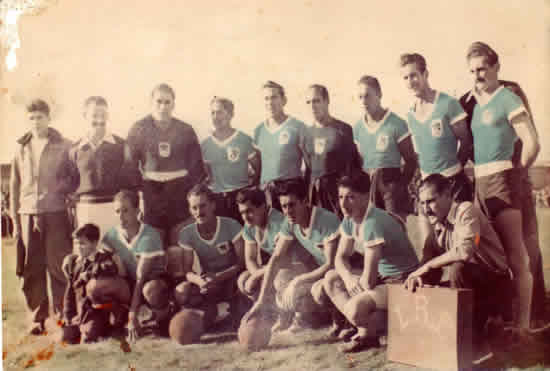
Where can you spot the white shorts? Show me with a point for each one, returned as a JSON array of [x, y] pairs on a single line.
[[102, 214]]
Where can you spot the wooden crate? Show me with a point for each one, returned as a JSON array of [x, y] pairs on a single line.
[[431, 327]]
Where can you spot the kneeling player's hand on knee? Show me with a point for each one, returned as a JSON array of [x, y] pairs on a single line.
[[352, 285]]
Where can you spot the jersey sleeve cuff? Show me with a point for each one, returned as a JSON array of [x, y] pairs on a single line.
[[459, 118], [403, 137], [374, 243], [518, 111], [151, 254]]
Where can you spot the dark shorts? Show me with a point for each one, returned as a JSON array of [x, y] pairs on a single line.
[[323, 192], [226, 205], [165, 203], [500, 191], [388, 191]]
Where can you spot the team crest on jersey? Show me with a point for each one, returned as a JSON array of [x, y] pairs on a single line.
[[320, 145], [284, 137], [224, 247], [233, 153], [164, 149], [382, 142], [487, 116], [437, 129]]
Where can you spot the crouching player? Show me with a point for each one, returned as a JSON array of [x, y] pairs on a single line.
[[217, 243], [303, 254], [463, 243], [96, 285], [260, 235], [377, 239], [140, 248]]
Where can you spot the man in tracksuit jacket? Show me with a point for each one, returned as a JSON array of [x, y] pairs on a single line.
[[39, 183]]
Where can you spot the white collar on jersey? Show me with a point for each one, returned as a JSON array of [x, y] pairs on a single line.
[[215, 237], [429, 114], [87, 139], [375, 125], [224, 142], [272, 129], [124, 236]]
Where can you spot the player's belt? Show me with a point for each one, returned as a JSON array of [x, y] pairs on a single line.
[[91, 199], [164, 176]]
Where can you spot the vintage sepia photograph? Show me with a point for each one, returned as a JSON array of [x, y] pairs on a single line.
[[275, 185]]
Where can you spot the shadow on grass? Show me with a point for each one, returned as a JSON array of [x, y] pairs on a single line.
[[218, 338]]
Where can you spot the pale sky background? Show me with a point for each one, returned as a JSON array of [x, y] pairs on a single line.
[[121, 49]]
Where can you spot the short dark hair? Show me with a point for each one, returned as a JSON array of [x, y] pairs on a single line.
[[226, 103], [358, 182], [88, 231], [296, 187], [129, 195], [480, 49], [38, 105], [165, 88], [322, 90], [273, 85], [96, 99], [253, 195], [409, 58], [201, 189], [372, 82], [440, 182]]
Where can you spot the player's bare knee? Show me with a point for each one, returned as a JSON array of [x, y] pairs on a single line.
[[94, 291], [183, 292], [354, 315], [318, 293], [332, 282], [155, 292], [242, 280]]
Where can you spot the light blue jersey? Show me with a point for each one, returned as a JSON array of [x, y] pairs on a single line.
[[434, 139], [217, 254], [323, 226], [146, 243], [380, 228], [266, 240], [228, 160], [494, 136], [281, 149], [379, 144]]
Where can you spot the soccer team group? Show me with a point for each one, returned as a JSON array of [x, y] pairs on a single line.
[[163, 222]]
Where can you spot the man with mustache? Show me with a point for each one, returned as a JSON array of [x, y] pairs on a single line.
[[373, 250], [168, 154], [528, 209], [217, 243], [280, 139], [499, 118], [464, 244], [383, 139], [329, 151], [228, 155]]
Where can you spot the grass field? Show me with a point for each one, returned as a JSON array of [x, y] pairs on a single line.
[[309, 350]]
